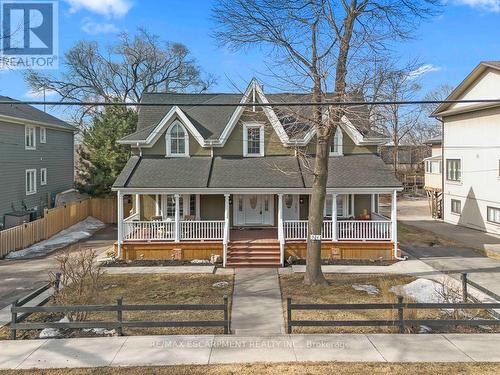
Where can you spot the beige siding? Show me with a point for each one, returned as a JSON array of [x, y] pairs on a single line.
[[212, 207], [362, 202], [349, 147]]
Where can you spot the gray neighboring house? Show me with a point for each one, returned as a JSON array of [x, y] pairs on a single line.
[[36, 161]]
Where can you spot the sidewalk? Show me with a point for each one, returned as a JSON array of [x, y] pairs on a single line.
[[210, 349], [256, 304]]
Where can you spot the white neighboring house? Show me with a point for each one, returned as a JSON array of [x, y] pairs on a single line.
[[471, 151]]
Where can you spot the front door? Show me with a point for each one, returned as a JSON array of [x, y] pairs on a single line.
[[253, 209]]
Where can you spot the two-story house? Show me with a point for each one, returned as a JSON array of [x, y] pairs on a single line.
[[233, 180], [36, 161], [471, 151], [433, 177]]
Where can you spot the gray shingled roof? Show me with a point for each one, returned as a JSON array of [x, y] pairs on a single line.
[[28, 112], [211, 121], [352, 171]]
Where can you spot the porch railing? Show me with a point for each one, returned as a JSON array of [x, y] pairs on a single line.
[[346, 230], [165, 230], [148, 230], [202, 230]]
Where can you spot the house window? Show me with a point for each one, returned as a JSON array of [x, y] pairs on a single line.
[[493, 215], [453, 170], [192, 205], [253, 140], [30, 181], [456, 206], [177, 140], [171, 206], [43, 135], [433, 167], [43, 176], [29, 138], [340, 205], [336, 148]]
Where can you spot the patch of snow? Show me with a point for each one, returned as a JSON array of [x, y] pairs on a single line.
[[425, 329], [420, 290], [101, 331], [106, 287], [370, 289], [200, 261], [75, 233], [220, 284], [50, 333]]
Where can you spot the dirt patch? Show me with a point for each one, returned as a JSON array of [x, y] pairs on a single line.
[[319, 368], [152, 289], [151, 263], [349, 262], [412, 236], [353, 288]]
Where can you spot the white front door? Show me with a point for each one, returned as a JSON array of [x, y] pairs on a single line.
[[290, 207], [253, 209]]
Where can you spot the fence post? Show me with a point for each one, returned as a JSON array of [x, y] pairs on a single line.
[[226, 316], [401, 317], [13, 320], [119, 316], [57, 282], [289, 315], [464, 287]]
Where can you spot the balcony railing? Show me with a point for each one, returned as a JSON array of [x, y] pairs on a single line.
[[346, 230], [165, 230]]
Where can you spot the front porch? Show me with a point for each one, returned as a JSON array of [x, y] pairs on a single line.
[[260, 229]]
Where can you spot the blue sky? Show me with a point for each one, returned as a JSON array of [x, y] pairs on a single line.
[[450, 44]]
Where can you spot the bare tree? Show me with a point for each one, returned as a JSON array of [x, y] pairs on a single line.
[[123, 71], [313, 44]]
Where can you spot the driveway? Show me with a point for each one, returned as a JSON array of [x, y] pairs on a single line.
[[453, 260], [20, 277]]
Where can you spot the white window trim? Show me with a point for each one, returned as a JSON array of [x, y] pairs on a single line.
[[454, 182], [451, 207], [168, 139], [340, 135], [33, 171], [43, 173], [26, 131], [247, 126], [487, 216], [345, 212], [43, 131]]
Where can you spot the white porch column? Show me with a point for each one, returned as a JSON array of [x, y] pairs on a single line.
[[281, 238], [394, 223], [120, 222], [372, 209], [138, 204], [352, 205], [157, 205], [334, 218], [226, 228], [177, 214]]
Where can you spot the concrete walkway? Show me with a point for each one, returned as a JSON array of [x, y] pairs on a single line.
[[256, 305], [210, 349]]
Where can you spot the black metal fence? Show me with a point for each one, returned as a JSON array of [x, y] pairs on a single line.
[[119, 323], [400, 322]]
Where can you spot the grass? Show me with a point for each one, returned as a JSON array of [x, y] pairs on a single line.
[[340, 290], [292, 369], [410, 235], [155, 289]]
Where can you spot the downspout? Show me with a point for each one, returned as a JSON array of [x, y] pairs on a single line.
[[443, 168]]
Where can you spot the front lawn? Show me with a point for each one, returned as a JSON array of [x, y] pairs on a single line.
[[341, 290], [153, 289]]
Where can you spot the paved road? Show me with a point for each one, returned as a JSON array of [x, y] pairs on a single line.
[[453, 260], [19, 277], [210, 349]]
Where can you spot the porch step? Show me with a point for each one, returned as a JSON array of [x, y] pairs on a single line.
[[256, 254], [253, 263]]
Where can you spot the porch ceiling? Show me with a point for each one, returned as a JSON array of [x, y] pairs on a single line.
[[270, 172]]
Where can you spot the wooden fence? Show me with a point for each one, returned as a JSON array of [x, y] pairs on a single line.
[[400, 322], [119, 323], [55, 220]]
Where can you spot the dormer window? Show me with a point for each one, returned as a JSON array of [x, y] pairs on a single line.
[[336, 147], [177, 140], [253, 140]]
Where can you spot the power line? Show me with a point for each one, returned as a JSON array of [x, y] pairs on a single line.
[[276, 104]]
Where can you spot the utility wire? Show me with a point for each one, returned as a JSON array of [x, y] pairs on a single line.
[[277, 104]]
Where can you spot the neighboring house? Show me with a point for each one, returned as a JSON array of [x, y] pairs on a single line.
[[409, 157], [228, 180], [434, 178], [36, 161], [471, 151]]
